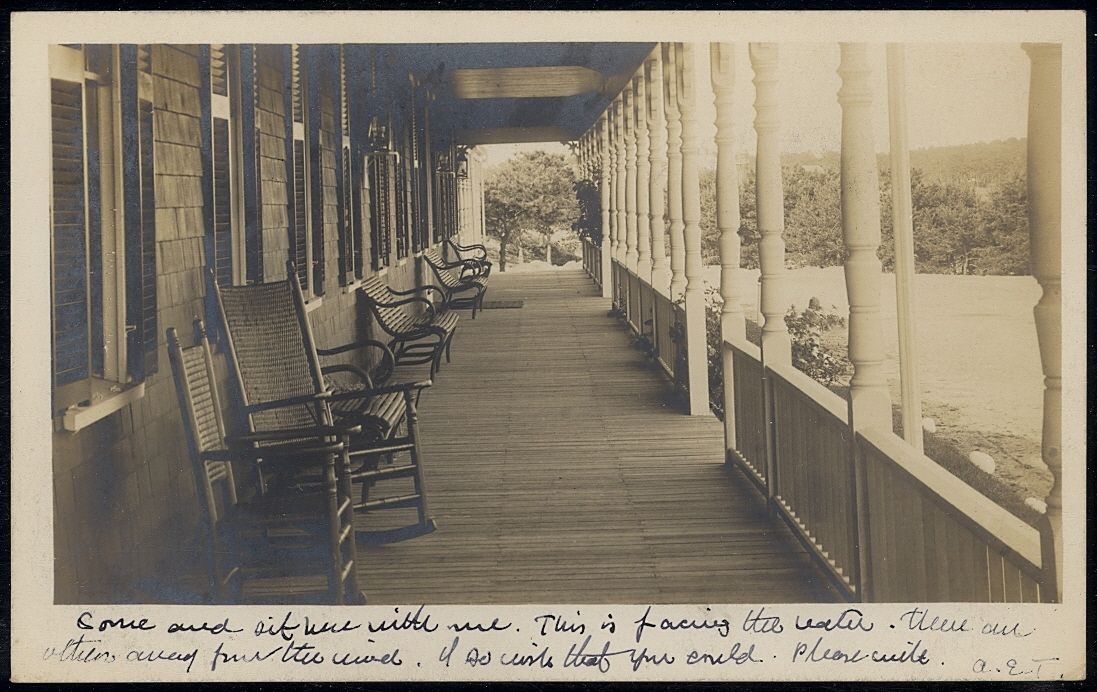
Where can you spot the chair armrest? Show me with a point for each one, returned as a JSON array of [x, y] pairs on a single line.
[[285, 434], [362, 375], [406, 301], [460, 262], [386, 389], [418, 289], [473, 269], [477, 247], [291, 401], [355, 345]]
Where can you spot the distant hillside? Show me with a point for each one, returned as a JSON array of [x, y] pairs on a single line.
[[981, 164]]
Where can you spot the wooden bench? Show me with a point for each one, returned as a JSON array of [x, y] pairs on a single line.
[[463, 284], [477, 254], [414, 339]]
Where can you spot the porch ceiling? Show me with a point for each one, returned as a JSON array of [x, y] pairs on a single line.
[[495, 93]]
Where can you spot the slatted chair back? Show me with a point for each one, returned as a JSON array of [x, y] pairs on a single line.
[[272, 352], [377, 291], [450, 278], [475, 251], [195, 386]]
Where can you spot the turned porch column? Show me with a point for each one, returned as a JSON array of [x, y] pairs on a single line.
[[860, 194], [604, 191], [622, 225], [770, 205], [1045, 246], [631, 254], [696, 340], [478, 195], [611, 149], [674, 171], [643, 179], [462, 223], [732, 324], [653, 74]]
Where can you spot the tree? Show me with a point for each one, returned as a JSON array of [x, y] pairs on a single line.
[[532, 193], [1005, 220]]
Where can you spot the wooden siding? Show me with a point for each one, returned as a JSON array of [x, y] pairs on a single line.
[[121, 489], [270, 112], [124, 497]]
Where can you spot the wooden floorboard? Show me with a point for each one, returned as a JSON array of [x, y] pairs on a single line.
[[558, 472]]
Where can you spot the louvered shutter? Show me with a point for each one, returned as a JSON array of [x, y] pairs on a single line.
[[343, 179], [222, 202], [402, 201], [139, 204], [249, 157], [382, 167], [315, 178], [217, 165], [365, 223], [295, 158], [69, 234]]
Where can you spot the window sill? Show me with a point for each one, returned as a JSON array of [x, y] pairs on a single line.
[[77, 417], [352, 286], [313, 303], [402, 262]]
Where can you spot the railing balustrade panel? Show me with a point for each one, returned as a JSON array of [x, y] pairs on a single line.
[[635, 306], [934, 538], [664, 325], [647, 310], [750, 417], [814, 476]]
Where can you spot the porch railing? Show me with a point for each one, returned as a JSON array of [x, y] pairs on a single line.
[[592, 261], [885, 521], [931, 537], [651, 314], [750, 418]]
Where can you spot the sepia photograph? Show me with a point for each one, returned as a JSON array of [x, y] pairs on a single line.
[[671, 321], [613, 423]]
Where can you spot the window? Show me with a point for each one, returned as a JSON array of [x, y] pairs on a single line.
[[446, 183], [102, 227], [226, 237], [381, 164]]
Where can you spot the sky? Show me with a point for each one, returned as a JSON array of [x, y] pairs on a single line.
[[956, 94]]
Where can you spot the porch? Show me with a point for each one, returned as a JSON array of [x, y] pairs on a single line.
[[572, 481], [565, 477]]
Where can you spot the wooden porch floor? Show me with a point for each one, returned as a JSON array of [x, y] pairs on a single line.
[[556, 473]]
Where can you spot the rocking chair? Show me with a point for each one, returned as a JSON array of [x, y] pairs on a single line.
[[268, 535], [278, 374]]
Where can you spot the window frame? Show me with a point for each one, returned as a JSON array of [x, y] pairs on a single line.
[[111, 379], [298, 96]]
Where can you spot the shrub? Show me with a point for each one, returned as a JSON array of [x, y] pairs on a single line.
[[810, 354], [589, 223]]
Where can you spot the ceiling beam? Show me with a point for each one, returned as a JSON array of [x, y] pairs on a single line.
[[514, 135], [524, 82]]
